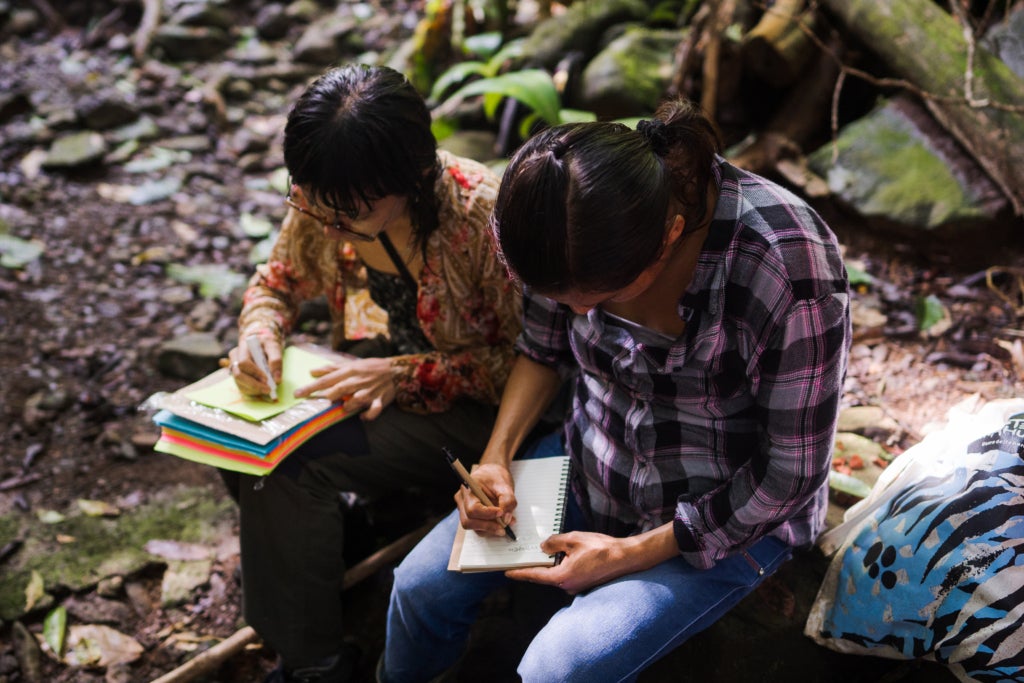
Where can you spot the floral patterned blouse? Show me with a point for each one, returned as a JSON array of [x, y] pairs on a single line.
[[467, 308]]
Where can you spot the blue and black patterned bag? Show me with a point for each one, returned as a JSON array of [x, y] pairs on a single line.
[[931, 565]]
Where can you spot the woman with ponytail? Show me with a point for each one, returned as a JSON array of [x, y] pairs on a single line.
[[703, 312]]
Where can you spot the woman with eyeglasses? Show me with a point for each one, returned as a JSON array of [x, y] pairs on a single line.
[[372, 202], [705, 312]]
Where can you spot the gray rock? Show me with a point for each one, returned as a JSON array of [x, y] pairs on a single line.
[[629, 77], [1007, 40], [190, 357], [897, 167], [77, 149], [105, 109], [23, 22], [473, 144], [327, 39], [143, 128], [190, 43], [202, 14], [579, 28], [272, 21]]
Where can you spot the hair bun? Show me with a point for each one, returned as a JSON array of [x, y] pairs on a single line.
[[655, 132]]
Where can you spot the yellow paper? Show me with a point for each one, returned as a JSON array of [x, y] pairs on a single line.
[[296, 367]]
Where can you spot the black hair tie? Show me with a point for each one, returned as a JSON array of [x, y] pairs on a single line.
[[655, 132]]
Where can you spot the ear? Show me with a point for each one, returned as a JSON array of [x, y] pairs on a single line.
[[675, 230]]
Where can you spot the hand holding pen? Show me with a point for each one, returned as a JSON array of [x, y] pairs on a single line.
[[473, 486], [255, 365]]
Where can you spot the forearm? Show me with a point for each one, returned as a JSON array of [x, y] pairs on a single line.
[[530, 389], [645, 550]]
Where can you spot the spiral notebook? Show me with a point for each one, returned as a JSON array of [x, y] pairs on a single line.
[[541, 488]]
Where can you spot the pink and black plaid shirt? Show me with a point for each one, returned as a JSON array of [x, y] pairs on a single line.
[[728, 430]]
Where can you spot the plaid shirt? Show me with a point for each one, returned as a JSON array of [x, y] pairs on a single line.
[[729, 429]]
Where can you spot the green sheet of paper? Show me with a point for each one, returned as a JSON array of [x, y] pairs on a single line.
[[296, 366]]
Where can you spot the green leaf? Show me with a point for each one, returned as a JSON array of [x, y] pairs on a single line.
[[278, 180], [930, 312], [254, 226], [17, 253], [483, 44], [442, 127], [214, 279], [576, 116], [858, 276], [631, 122], [260, 251], [532, 87], [55, 628], [848, 484], [526, 124], [454, 75], [512, 49]]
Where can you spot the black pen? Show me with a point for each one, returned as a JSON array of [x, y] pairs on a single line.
[[471, 484]]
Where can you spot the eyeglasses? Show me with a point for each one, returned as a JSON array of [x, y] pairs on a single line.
[[333, 225]]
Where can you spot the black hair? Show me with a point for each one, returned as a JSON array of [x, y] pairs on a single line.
[[359, 133], [583, 206]]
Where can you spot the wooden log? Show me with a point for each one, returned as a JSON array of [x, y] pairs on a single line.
[[778, 47], [983, 107], [803, 115], [212, 659]]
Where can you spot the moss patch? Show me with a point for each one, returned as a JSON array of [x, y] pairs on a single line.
[[885, 167], [92, 548]]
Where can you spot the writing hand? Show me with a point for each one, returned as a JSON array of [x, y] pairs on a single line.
[[361, 384], [249, 379], [496, 482], [589, 560]]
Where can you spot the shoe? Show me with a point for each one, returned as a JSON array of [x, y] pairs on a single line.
[[337, 669]]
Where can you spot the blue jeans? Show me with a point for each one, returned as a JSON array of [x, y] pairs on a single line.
[[609, 633]]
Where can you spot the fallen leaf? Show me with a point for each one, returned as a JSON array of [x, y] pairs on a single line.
[[49, 516], [65, 539], [97, 508], [54, 629], [34, 590], [97, 645]]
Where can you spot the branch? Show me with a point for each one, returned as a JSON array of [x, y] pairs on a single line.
[[151, 11]]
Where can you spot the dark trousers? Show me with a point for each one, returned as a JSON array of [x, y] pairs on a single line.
[[292, 521]]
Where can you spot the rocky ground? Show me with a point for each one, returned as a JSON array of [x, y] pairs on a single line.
[[177, 173]]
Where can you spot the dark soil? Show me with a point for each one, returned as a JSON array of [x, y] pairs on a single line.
[[82, 324]]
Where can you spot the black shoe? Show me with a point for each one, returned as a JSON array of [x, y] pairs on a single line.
[[337, 669]]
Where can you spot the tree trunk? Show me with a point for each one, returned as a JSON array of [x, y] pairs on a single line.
[[925, 46]]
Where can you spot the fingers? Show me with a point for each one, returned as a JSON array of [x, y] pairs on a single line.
[[273, 351], [476, 516], [375, 409], [248, 378]]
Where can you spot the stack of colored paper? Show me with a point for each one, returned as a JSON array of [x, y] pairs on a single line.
[[211, 422]]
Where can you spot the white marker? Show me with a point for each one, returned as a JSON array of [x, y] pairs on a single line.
[[256, 351]]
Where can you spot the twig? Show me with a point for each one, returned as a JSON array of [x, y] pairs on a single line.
[[96, 32], [965, 21], [211, 659], [151, 11], [17, 482], [52, 18]]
